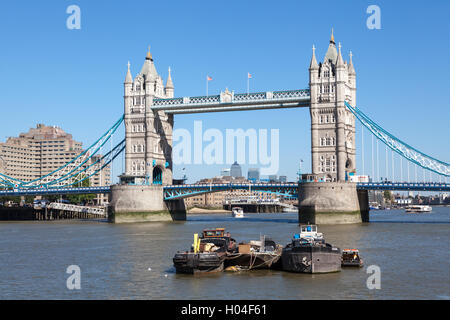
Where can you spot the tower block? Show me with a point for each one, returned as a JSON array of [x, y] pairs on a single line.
[[148, 154], [329, 197]]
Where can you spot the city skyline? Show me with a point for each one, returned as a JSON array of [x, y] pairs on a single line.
[[86, 68]]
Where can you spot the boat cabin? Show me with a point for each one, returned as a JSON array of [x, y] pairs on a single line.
[[309, 232], [219, 238], [215, 233], [351, 258]]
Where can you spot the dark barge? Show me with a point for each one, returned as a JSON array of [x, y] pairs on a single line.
[[207, 254], [309, 253], [262, 254]]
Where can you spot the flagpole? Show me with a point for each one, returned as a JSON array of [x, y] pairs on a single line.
[[207, 86], [248, 84]]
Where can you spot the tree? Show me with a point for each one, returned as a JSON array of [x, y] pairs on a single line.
[[81, 198], [10, 198], [387, 196]]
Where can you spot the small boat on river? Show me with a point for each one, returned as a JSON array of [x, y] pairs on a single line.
[[309, 253], [351, 258], [256, 254], [237, 212], [207, 254], [418, 208]]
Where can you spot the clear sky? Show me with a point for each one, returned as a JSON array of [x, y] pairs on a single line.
[[74, 78]]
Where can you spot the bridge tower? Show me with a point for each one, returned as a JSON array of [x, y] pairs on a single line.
[[333, 153], [148, 133], [332, 126], [148, 154]]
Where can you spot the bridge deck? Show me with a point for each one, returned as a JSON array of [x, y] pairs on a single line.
[[228, 101], [181, 191]]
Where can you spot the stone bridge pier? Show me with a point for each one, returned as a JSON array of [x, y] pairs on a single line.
[[143, 203], [332, 203]]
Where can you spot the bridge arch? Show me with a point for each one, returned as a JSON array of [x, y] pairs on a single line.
[[157, 175]]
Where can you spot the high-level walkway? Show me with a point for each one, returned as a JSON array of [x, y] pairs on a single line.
[[229, 101]]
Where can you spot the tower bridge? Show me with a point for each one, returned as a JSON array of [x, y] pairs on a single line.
[[146, 193]]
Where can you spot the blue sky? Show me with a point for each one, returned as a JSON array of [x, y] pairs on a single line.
[[74, 78]]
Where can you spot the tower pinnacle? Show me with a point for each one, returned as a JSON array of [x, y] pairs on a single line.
[[128, 78], [351, 68], [169, 83], [313, 64], [340, 61], [332, 36]]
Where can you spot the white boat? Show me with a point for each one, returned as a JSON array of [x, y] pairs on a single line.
[[237, 212], [418, 208]]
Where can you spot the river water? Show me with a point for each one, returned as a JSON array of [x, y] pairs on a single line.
[[135, 261]]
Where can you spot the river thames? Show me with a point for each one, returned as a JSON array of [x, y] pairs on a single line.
[[135, 261]]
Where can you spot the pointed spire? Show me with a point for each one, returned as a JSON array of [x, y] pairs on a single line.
[[331, 55], [149, 55], [340, 61], [128, 78], [351, 68], [169, 83], [148, 69], [313, 64]]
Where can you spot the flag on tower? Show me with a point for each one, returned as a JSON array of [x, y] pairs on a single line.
[[249, 75], [208, 78]]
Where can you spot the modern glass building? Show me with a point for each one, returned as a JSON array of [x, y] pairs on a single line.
[[236, 170], [253, 174]]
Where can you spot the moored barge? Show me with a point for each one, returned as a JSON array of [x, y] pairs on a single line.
[[207, 254], [309, 253], [256, 254]]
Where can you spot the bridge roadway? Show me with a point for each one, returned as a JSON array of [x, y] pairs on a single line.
[[173, 192]]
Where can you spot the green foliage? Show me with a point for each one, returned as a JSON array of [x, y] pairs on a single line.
[[9, 198], [387, 195], [81, 198]]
